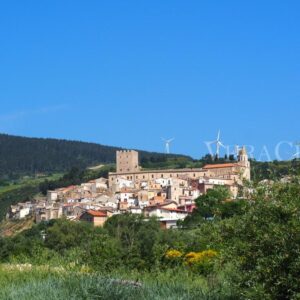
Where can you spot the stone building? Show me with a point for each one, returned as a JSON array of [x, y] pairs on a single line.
[[128, 169], [97, 218], [127, 161]]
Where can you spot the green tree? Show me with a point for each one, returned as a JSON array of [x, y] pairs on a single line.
[[137, 237]]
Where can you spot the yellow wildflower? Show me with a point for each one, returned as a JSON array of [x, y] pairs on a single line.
[[173, 254]]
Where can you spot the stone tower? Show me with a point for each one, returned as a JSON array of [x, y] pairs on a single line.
[[127, 161], [243, 161]]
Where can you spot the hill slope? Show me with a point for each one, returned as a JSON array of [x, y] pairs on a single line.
[[22, 155]]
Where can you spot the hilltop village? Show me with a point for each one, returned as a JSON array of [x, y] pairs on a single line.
[[167, 194]]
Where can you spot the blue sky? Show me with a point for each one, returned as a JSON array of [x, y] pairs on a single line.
[[127, 73]]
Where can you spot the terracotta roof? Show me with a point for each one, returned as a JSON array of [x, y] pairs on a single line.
[[217, 166], [167, 202], [68, 188], [96, 213]]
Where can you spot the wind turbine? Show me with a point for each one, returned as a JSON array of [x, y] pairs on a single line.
[[167, 144], [297, 154], [218, 144], [237, 149]]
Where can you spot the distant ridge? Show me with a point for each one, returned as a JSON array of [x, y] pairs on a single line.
[[25, 156]]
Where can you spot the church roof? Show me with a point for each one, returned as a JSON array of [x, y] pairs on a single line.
[[219, 166]]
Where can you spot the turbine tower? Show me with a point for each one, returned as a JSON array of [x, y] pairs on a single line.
[[297, 154], [167, 144], [218, 144], [236, 150]]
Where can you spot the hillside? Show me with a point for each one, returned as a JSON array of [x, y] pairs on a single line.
[[27, 156], [274, 170]]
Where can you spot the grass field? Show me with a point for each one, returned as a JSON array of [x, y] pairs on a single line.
[[25, 181], [25, 282]]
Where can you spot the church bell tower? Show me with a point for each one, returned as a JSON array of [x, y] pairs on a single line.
[[243, 161]]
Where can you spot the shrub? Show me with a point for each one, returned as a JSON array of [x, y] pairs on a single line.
[[200, 262]]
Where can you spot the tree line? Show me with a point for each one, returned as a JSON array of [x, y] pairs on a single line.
[[27, 156]]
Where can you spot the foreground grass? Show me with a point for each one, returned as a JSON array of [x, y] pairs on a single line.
[[23, 282]]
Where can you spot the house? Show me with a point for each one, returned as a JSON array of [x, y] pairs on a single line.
[[105, 200], [188, 207], [126, 194], [210, 183], [52, 196], [72, 210], [20, 210], [135, 210], [157, 200], [48, 213], [101, 184], [123, 206], [97, 218], [121, 183], [167, 213]]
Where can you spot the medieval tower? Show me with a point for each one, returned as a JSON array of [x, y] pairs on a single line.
[[127, 161]]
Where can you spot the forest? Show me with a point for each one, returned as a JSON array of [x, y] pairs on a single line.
[[21, 156]]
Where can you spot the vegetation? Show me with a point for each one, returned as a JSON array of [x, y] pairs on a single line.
[[21, 156], [252, 253], [166, 162], [33, 283], [274, 170], [216, 204], [75, 177]]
